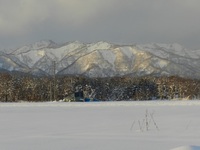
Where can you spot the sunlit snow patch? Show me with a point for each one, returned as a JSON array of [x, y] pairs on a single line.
[[41, 53]]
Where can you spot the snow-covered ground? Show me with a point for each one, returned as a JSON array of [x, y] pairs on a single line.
[[100, 126]]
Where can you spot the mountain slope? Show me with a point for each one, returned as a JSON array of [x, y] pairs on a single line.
[[103, 59]]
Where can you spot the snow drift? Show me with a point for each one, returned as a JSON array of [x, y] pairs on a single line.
[[99, 125]]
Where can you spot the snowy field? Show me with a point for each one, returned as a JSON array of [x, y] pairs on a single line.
[[100, 126]]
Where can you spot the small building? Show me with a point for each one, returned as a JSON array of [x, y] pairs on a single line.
[[79, 96]]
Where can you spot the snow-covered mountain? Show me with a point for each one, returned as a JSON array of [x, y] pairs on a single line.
[[102, 59]]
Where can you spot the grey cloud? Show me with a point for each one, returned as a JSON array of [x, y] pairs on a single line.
[[118, 21]]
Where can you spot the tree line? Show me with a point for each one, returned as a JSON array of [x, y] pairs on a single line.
[[16, 88]]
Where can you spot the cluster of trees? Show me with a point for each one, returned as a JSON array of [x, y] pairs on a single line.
[[15, 88]]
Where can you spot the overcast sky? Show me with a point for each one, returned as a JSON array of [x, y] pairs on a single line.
[[117, 21]]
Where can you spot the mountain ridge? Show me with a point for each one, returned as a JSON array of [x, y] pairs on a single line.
[[102, 59]]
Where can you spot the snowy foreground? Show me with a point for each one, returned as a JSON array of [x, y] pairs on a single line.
[[100, 126]]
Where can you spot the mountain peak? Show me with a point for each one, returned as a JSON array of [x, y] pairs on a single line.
[[103, 59], [44, 44], [100, 45]]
